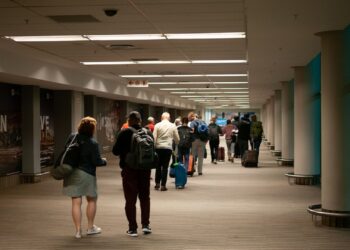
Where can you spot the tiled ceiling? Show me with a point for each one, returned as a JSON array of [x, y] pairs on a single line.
[[279, 35]]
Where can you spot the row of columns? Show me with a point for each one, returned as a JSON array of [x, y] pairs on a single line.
[[307, 106]]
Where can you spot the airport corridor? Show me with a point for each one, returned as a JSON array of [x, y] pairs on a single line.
[[229, 207]]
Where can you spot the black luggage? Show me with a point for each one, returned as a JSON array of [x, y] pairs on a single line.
[[221, 154], [250, 158]]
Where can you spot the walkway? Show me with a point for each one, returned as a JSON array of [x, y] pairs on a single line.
[[229, 207]]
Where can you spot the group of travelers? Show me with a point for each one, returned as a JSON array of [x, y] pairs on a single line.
[[238, 132], [141, 149]]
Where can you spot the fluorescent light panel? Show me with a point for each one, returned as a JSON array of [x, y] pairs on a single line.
[[170, 89], [189, 83], [128, 37], [212, 92], [212, 96], [163, 62], [184, 75], [224, 35], [47, 38]]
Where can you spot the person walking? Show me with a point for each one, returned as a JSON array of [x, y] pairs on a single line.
[[243, 133], [214, 139], [200, 138], [164, 134], [185, 142], [256, 132], [136, 182], [227, 131], [150, 123], [82, 181]]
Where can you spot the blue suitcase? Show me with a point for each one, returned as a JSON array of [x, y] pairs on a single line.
[[180, 176]]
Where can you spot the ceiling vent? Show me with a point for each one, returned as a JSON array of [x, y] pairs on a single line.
[[74, 19], [121, 47], [144, 59]]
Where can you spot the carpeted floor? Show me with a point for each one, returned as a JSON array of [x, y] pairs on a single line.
[[229, 207]]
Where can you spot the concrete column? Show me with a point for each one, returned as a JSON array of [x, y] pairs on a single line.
[[335, 103], [287, 123], [90, 106], [271, 122], [277, 123], [68, 111], [31, 135], [264, 119], [306, 125]]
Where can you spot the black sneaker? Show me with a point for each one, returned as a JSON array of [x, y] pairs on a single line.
[[156, 187], [146, 229], [132, 233]]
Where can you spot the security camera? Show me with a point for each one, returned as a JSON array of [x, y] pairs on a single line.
[[110, 12]]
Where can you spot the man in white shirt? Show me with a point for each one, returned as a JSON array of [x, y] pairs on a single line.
[[164, 133]]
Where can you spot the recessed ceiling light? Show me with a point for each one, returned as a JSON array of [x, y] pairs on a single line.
[[193, 83], [168, 89], [109, 63], [213, 92]]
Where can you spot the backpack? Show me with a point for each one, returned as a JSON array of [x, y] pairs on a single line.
[[185, 137], [142, 152], [203, 131], [213, 132]]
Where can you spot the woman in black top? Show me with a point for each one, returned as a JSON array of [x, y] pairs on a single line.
[[82, 182]]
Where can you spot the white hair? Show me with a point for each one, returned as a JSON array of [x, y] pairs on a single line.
[[166, 115]]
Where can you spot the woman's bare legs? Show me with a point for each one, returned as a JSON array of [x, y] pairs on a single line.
[[76, 212], [91, 210]]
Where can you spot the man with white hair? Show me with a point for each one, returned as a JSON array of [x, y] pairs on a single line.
[[164, 133]]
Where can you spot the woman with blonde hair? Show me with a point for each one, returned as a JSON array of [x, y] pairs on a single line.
[[82, 182]]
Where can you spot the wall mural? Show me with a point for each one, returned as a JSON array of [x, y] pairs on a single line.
[[10, 129], [47, 127], [108, 122]]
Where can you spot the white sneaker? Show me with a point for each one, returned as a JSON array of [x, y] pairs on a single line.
[[94, 230], [78, 235]]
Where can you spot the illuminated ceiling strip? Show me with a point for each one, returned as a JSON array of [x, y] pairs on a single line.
[[163, 62], [224, 35], [218, 61], [189, 83], [47, 38], [184, 75], [210, 92], [212, 96], [175, 89], [128, 37]]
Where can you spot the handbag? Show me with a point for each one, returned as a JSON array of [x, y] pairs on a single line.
[[67, 160]]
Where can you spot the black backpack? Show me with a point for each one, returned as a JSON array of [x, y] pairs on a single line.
[[185, 137], [142, 153], [213, 132]]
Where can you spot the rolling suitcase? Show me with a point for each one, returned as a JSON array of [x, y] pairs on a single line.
[[191, 169], [180, 176], [221, 154], [250, 158]]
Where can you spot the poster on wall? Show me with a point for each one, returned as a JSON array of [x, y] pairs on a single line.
[[47, 128], [10, 129], [108, 122]]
